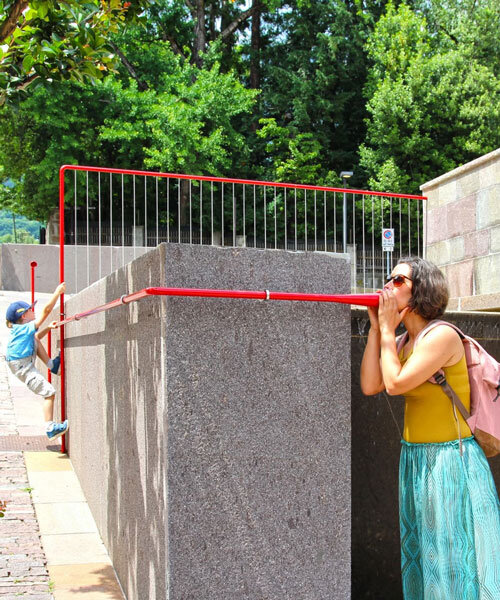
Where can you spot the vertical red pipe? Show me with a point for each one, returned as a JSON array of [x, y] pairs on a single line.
[[33, 266], [61, 311]]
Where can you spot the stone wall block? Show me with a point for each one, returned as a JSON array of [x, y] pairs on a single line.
[[447, 193], [213, 438], [468, 184], [488, 207], [476, 243], [437, 224], [439, 253], [462, 216], [460, 278], [495, 239], [487, 273], [489, 175], [457, 249]]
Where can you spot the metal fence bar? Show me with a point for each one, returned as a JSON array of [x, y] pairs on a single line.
[[111, 222], [88, 244], [99, 218], [76, 233], [123, 224]]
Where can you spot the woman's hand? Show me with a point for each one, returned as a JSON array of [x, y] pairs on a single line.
[[389, 316], [373, 315]]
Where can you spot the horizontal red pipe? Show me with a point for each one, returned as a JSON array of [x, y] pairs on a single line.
[[357, 299], [240, 181]]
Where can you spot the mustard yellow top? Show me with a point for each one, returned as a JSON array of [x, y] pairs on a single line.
[[429, 412]]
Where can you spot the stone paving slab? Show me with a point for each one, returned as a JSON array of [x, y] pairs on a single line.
[[28, 443]]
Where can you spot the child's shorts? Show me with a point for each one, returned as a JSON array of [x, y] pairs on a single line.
[[25, 370]]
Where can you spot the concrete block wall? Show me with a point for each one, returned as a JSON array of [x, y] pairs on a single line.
[[463, 231], [83, 265], [212, 437]]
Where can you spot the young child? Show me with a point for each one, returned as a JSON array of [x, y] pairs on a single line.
[[23, 348]]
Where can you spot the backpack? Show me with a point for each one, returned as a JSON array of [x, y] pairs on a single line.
[[484, 381]]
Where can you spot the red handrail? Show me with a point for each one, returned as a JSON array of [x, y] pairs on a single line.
[[357, 299], [319, 188]]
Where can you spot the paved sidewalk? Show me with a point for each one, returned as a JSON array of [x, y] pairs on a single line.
[[23, 566], [50, 548]]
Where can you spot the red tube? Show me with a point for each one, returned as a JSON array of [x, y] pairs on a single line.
[[33, 266], [357, 299]]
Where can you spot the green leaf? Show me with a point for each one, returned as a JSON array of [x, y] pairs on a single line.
[[27, 63]]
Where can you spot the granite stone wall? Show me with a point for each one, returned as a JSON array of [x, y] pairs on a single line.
[[212, 437]]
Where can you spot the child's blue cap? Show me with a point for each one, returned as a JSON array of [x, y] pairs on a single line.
[[17, 309]]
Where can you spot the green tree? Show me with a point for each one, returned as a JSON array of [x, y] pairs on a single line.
[[185, 123], [48, 40], [22, 237], [432, 106], [313, 67]]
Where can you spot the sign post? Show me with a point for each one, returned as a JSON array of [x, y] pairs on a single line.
[[388, 245]]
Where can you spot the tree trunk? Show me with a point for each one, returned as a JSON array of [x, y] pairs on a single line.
[[199, 32], [255, 46], [255, 58]]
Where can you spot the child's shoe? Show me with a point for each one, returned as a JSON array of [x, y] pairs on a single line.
[[55, 430], [56, 362]]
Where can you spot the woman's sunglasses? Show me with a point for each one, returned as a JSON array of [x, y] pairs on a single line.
[[397, 280]]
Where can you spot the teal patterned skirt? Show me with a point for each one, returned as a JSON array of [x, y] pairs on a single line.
[[449, 523]]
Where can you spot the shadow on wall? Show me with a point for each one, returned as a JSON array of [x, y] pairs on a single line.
[[135, 392], [375, 463]]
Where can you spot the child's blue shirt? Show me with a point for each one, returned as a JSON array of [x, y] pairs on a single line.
[[22, 341]]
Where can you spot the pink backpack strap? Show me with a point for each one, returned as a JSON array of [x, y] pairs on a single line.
[[401, 341], [435, 323]]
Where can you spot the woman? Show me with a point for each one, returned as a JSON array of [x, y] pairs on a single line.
[[448, 504]]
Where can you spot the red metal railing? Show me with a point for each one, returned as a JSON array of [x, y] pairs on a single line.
[[318, 188], [313, 221]]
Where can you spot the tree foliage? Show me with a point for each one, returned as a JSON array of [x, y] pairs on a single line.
[[293, 90], [47, 40], [433, 104]]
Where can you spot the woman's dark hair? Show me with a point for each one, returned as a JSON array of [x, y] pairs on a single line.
[[430, 294]]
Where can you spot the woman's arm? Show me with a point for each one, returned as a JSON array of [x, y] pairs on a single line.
[[371, 374], [440, 347]]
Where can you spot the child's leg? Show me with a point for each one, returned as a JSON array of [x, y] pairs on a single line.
[[48, 409], [52, 363], [42, 354]]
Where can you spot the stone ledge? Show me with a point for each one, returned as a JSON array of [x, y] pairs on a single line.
[[491, 156], [483, 302]]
